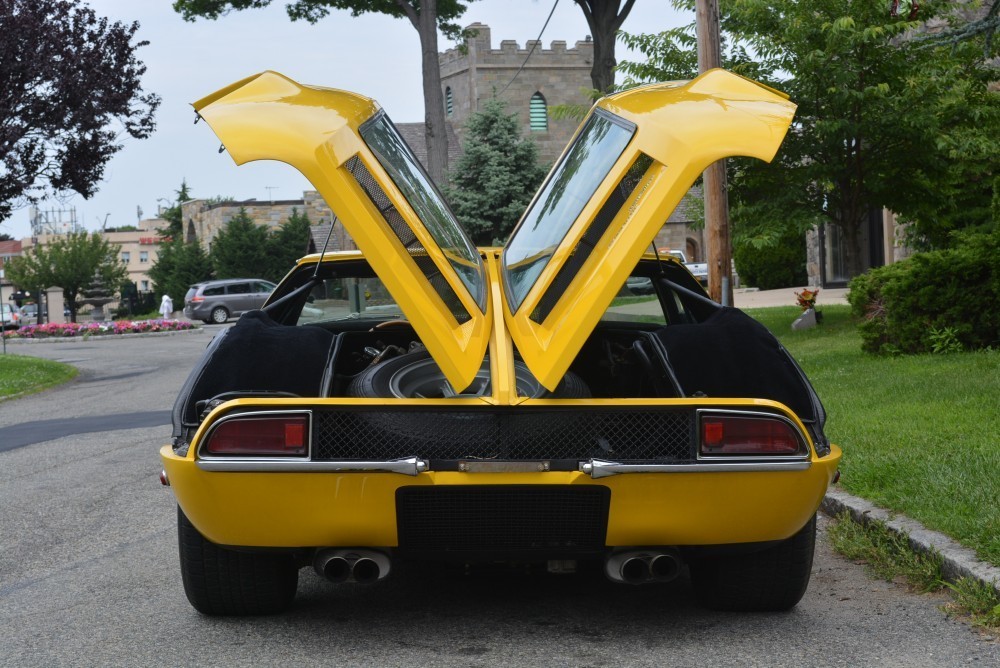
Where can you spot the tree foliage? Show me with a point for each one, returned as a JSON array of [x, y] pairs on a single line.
[[240, 249], [426, 16], [496, 176], [70, 262], [179, 265], [881, 122], [287, 244], [173, 215], [69, 89]]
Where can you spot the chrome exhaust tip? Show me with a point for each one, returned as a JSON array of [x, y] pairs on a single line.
[[355, 565], [643, 566]]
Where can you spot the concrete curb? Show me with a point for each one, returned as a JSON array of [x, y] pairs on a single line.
[[957, 561]]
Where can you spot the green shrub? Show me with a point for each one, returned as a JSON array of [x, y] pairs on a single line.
[[939, 301], [779, 266]]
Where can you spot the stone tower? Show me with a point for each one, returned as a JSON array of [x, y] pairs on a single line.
[[527, 83]]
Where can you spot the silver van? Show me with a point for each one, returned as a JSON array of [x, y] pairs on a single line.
[[217, 301]]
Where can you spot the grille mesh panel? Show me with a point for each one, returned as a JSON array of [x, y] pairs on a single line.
[[637, 436], [498, 519]]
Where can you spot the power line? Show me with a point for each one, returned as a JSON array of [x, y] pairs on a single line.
[[532, 49]]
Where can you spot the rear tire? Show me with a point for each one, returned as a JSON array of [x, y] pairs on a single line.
[[219, 315], [219, 581], [771, 580]]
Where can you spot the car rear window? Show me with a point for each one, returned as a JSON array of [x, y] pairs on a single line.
[[571, 185]]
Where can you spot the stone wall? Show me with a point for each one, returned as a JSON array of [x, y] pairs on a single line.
[[203, 220], [559, 73]]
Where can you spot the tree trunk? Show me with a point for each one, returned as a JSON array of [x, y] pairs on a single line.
[[436, 132], [604, 19]]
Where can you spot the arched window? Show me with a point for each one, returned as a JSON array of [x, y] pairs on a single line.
[[539, 114], [449, 104]]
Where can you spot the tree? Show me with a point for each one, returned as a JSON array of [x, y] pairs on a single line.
[[70, 85], [178, 266], [71, 262], [240, 249], [880, 121], [426, 16], [496, 176], [287, 244], [604, 17], [173, 215]]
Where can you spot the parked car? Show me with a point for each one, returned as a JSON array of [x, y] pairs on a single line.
[[10, 316], [424, 399], [29, 314], [217, 301], [698, 269], [639, 285]]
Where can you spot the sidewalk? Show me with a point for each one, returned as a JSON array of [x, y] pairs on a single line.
[[753, 298]]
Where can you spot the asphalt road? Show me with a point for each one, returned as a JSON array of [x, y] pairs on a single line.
[[89, 571]]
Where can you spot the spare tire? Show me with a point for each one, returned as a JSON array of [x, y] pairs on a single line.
[[463, 433], [416, 375]]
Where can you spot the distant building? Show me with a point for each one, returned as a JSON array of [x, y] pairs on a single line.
[[138, 248], [203, 220]]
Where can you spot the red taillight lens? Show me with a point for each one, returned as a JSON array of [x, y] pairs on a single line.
[[280, 435], [731, 435], [195, 300]]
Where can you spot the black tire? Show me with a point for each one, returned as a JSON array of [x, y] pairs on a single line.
[[219, 581], [770, 580], [219, 315]]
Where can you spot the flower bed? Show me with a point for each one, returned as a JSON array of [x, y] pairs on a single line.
[[71, 329]]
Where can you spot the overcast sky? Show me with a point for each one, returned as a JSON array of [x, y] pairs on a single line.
[[373, 55]]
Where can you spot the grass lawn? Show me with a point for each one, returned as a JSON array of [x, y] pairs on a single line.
[[22, 375], [919, 433]]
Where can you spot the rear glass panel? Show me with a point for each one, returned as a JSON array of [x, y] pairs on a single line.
[[573, 183], [619, 196], [349, 299], [409, 240], [423, 197]]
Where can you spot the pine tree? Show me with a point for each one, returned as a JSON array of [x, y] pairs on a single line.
[[496, 176], [240, 249], [287, 244]]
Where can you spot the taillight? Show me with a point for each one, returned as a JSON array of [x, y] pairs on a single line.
[[271, 435], [195, 300], [750, 435]]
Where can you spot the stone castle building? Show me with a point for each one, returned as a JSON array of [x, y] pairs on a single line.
[[528, 80]]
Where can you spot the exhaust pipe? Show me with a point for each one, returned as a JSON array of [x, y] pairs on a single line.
[[356, 565], [643, 566]]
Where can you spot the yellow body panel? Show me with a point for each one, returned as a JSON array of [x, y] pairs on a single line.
[[315, 130], [684, 129], [359, 509]]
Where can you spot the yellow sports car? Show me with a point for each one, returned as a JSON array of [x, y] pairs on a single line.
[[422, 398]]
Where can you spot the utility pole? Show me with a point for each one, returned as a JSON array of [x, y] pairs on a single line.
[[720, 254]]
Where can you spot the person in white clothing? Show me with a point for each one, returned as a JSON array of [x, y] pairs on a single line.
[[166, 307]]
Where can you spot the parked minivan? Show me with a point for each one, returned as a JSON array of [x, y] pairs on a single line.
[[217, 301]]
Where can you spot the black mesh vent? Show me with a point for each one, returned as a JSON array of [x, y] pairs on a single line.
[[497, 520], [406, 237], [616, 200], [583, 433]]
